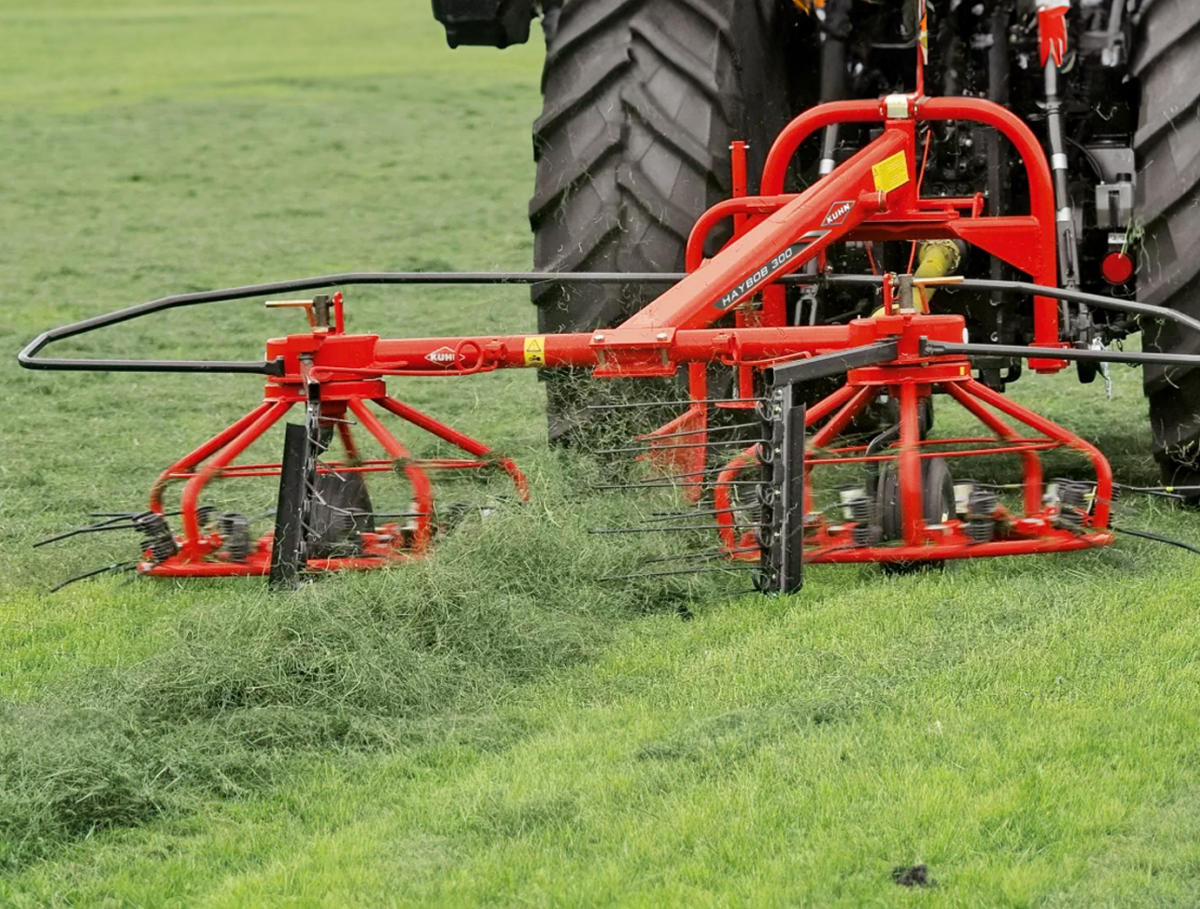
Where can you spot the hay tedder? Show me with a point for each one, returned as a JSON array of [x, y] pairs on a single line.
[[729, 309]]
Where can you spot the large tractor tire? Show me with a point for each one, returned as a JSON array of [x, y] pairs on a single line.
[[1167, 63], [642, 101]]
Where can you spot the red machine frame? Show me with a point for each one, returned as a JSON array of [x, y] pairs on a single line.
[[873, 196]]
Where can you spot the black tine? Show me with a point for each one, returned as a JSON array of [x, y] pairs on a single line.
[[673, 403], [1175, 489], [647, 449], [116, 566], [706, 471], [110, 524], [1159, 492], [657, 485], [701, 556], [749, 521], [719, 469], [649, 437], [707, 512], [682, 571], [130, 514], [679, 529]]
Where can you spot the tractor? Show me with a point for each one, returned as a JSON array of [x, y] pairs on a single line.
[[647, 102]]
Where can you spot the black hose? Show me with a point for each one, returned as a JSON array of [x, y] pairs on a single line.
[[28, 356], [1158, 538]]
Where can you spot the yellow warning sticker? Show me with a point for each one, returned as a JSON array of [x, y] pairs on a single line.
[[535, 351], [892, 173]]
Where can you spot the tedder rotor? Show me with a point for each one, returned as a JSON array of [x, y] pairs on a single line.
[[732, 310]]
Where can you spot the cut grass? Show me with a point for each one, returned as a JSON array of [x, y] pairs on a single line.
[[238, 692], [493, 727]]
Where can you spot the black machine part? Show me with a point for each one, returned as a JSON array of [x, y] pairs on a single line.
[[642, 102], [28, 357], [936, 507], [340, 511], [486, 23], [781, 493], [1166, 64]]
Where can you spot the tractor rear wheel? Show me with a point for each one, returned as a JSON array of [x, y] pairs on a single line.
[[642, 101], [1167, 63]]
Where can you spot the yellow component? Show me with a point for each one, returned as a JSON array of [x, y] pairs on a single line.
[[807, 6], [535, 351], [891, 173], [937, 259]]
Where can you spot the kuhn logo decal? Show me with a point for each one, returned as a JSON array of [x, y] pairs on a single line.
[[443, 356], [838, 213]]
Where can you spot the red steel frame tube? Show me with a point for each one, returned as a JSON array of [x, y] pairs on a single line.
[[454, 437], [189, 461], [1033, 464], [1041, 184], [1104, 477], [711, 292], [776, 234], [419, 480], [239, 443], [688, 346], [912, 486]]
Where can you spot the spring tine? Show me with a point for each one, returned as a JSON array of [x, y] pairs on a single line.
[[80, 532], [679, 476], [116, 566], [701, 556], [650, 437], [110, 524], [669, 515], [658, 485], [718, 469], [677, 572], [130, 514], [650, 449], [673, 403], [679, 529], [1161, 492]]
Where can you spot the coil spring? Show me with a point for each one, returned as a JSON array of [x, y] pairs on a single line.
[[861, 510], [1073, 504], [981, 530], [982, 503], [157, 538], [235, 530], [981, 511], [867, 535]]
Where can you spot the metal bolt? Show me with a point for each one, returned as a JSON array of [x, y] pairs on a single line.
[[662, 336], [597, 338]]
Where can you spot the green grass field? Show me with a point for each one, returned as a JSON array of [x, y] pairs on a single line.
[[492, 727]]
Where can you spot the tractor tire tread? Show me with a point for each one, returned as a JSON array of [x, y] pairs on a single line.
[[1167, 142]]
